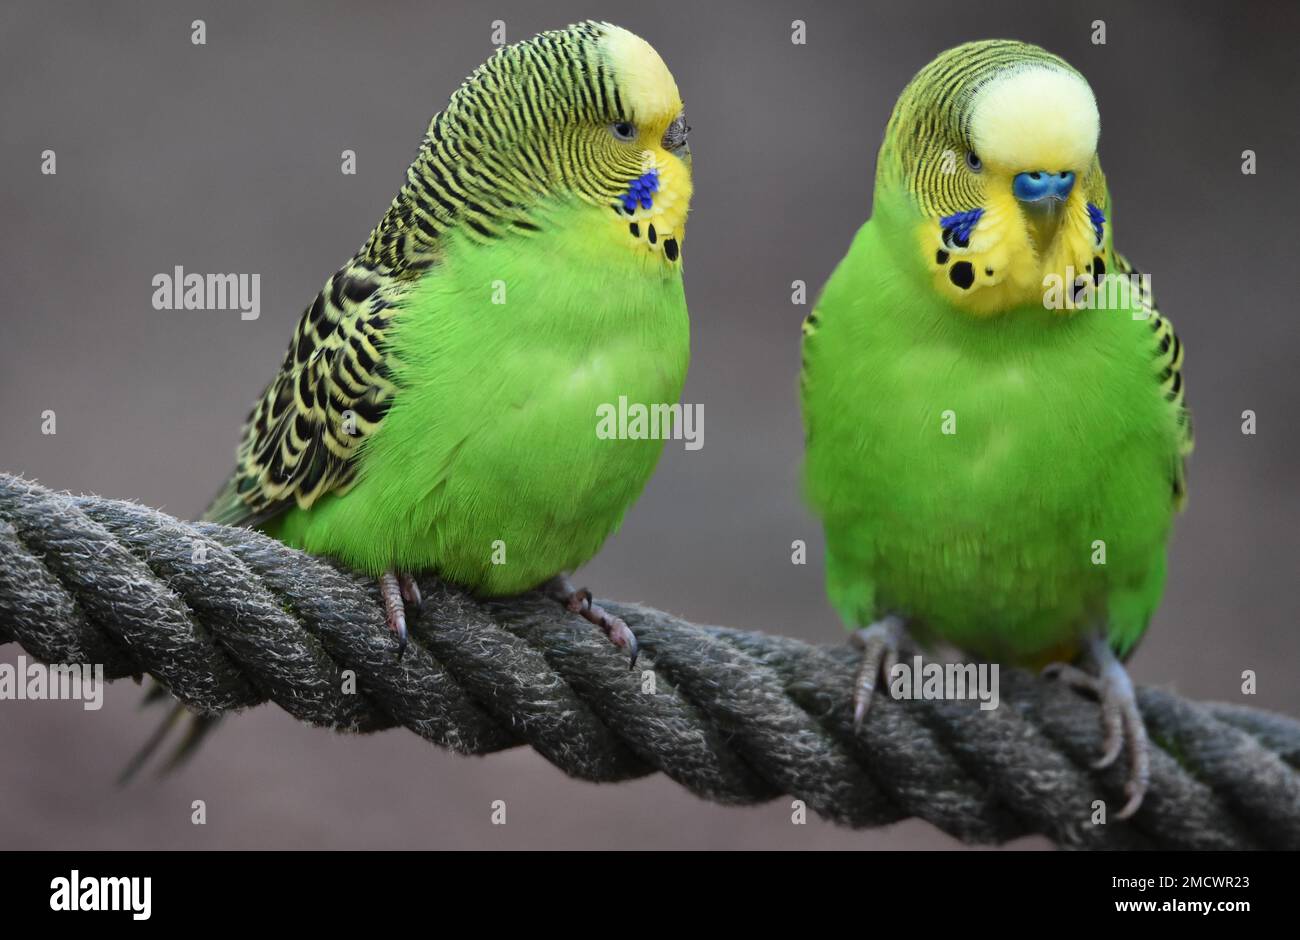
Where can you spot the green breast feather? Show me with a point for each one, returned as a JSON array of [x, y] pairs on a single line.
[[491, 441]]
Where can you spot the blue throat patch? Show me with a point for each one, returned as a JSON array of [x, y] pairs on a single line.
[[1098, 220], [958, 226], [641, 192]]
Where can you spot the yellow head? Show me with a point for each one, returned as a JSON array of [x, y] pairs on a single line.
[[995, 143]]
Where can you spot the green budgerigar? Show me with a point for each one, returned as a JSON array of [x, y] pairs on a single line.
[[993, 406], [437, 408]]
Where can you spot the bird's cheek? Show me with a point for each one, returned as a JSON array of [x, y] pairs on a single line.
[[675, 190]]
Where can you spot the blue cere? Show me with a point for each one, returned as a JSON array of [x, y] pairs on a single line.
[[958, 226], [1040, 185], [1098, 220], [641, 192]]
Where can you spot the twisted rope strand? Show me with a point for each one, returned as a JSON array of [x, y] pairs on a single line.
[[227, 618]]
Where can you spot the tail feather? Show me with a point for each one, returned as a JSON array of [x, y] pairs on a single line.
[[197, 729], [227, 508]]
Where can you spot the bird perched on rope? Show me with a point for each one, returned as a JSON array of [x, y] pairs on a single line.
[[437, 406], [995, 427]]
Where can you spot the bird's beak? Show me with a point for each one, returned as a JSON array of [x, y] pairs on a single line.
[[1042, 194], [1042, 191], [675, 141]]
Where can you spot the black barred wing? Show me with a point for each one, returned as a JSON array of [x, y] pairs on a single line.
[[301, 439], [1167, 364]]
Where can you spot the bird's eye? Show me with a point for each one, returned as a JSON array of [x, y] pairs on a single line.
[[623, 130], [974, 161]]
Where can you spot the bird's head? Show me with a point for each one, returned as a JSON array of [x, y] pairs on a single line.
[[995, 143], [588, 113]]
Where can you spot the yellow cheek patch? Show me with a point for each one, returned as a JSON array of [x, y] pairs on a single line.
[[999, 267], [660, 228]]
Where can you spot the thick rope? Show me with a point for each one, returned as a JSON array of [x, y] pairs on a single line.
[[228, 618]]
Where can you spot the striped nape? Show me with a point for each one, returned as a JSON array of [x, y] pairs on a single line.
[[511, 133]]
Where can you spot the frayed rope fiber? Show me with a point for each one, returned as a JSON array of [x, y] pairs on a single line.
[[228, 618]]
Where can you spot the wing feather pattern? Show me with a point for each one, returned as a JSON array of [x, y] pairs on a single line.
[[1167, 365], [303, 437]]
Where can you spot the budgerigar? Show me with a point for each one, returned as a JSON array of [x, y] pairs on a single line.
[[995, 428], [437, 407]]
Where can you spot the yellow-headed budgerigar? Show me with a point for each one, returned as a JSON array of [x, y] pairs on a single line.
[[437, 408], [995, 421]]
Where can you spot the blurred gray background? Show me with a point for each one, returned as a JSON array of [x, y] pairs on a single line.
[[225, 157]]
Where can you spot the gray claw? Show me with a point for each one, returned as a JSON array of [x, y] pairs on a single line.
[[579, 601], [1122, 723], [879, 644], [633, 647], [390, 588], [411, 591]]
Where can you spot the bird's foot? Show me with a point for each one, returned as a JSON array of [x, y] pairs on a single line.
[[578, 601], [410, 590], [880, 644], [398, 590], [1124, 728]]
